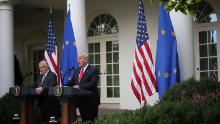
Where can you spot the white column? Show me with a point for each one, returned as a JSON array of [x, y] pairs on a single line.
[[78, 18], [184, 33], [6, 47]]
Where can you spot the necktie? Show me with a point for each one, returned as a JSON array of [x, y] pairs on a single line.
[[80, 75], [43, 79]]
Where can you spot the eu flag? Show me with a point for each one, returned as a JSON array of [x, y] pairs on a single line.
[[167, 64], [69, 52]]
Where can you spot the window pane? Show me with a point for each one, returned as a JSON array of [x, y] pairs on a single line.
[[91, 48], [97, 48], [212, 36], [102, 18], [203, 75], [90, 32], [91, 59], [109, 57], [116, 80], [92, 26], [115, 46], [109, 69], [204, 64], [97, 58], [202, 37], [116, 92], [213, 64], [97, 67], [203, 50], [109, 92], [109, 80], [109, 46], [115, 57], [108, 19], [116, 68], [214, 75], [213, 50]]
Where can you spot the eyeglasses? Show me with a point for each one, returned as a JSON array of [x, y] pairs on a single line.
[[42, 67]]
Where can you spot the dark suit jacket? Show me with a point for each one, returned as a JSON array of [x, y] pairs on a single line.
[[49, 81], [48, 105], [88, 82]]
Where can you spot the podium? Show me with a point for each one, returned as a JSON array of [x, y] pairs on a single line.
[[68, 97], [25, 96]]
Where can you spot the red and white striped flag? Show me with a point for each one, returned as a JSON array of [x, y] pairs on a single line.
[[51, 53], [143, 81]]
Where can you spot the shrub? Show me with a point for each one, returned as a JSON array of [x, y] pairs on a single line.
[[193, 90], [8, 107], [190, 101]]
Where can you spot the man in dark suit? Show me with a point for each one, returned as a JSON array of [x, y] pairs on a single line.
[[49, 106], [86, 77]]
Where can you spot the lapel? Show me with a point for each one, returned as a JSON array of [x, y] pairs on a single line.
[[40, 80], [85, 74], [77, 75], [46, 78]]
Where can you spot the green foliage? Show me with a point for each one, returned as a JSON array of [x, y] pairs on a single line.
[[193, 90], [118, 118], [8, 107], [183, 6], [190, 101]]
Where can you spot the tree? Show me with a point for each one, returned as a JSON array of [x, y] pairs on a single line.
[[184, 6]]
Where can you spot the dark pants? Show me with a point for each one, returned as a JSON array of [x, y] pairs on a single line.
[[49, 106], [88, 113]]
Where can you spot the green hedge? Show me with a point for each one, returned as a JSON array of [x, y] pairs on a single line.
[[190, 102], [8, 107]]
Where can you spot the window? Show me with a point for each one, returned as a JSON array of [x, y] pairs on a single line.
[[206, 42], [204, 13], [103, 24]]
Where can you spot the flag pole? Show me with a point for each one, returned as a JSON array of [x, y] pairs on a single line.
[[50, 7]]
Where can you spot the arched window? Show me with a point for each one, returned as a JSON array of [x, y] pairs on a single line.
[[204, 13], [103, 24]]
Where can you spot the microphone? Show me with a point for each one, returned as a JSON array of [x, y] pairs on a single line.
[[27, 75], [69, 69]]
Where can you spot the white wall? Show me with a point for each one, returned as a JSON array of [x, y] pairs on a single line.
[[184, 33]]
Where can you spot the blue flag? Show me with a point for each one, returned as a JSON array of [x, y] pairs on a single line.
[[69, 52], [167, 64]]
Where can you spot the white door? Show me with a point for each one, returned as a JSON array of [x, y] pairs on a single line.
[[206, 52], [104, 55]]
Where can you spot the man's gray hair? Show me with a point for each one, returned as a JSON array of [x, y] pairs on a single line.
[[43, 63], [83, 55]]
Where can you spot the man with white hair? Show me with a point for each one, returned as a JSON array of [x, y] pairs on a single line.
[[49, 106], [86, 77]]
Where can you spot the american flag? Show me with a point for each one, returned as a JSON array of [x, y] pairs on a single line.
[[51, 54], [143, 81]]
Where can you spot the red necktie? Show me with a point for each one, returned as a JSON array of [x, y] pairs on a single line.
[[80, 75]]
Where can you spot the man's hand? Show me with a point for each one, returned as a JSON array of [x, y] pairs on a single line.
[[39, 90], [76, 86]]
